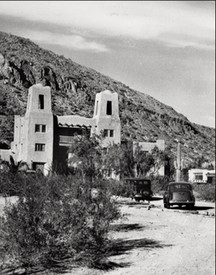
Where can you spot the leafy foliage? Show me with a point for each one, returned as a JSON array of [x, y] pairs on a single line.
[[205, 191], [60, 217], [87, 156], [56, 218], [159, 183], [144, 161], [120, 160]]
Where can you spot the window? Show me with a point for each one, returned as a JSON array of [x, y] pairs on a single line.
[[41, 102], [198, 177], [105, 133], [210, 179], [180, 186], [38, 166], [109, 108], [43, 128], [37, 128], [40, 128], [39, 147], [108, 133]]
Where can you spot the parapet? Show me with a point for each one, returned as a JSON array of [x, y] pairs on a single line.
[[106, 104], [39, 99]]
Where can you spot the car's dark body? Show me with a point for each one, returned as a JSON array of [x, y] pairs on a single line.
[[140, 188], [179, 193]]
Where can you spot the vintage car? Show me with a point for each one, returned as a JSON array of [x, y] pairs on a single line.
[[140, 188], [179, 193]]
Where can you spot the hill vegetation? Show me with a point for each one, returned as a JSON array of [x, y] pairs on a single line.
[[143, 118]]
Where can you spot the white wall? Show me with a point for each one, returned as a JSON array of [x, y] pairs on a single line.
[[204, 172]]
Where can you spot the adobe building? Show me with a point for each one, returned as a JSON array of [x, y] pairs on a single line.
[[41, 139], [201, 176]]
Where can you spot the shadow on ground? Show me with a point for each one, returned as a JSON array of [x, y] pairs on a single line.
[[195, 208], [156, 198], [203, 207], [132, 202], [121, 246], [116, 247], [126, 227], [52, 268]]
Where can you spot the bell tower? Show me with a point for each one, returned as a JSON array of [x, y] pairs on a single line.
[[106, 115], [37, 145]]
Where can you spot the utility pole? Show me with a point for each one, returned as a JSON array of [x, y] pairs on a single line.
[[178, 162]]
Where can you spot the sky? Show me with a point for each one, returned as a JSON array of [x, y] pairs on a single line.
[[162, 48]]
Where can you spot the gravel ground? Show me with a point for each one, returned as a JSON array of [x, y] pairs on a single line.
[[152, 240], [156, 241]]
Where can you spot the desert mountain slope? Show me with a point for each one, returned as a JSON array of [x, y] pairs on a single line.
[[143, 118]]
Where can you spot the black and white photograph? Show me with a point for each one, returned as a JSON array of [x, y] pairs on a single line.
[[107, 137]]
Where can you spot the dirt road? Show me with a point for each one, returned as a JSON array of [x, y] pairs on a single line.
[[159, 241], [152, 240]]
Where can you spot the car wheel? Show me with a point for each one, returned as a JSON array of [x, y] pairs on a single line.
[[192, 206]]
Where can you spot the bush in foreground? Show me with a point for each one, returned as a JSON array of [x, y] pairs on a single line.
[[57, 218]]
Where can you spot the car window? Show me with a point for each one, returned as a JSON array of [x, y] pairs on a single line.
[[180, 186]]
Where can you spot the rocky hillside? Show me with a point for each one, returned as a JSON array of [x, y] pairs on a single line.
[[23, 63]]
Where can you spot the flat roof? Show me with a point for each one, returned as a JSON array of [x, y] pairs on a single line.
[[75, 120]]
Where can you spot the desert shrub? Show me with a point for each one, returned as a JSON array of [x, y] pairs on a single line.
[[10, 183], [56, 218], [158, 183], [119, 188], [205, 191]]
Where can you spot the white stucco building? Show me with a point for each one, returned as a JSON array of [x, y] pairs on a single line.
[[41, 139], [201, 175]]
